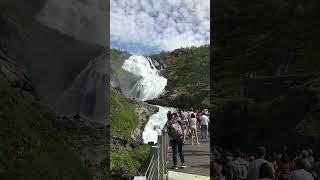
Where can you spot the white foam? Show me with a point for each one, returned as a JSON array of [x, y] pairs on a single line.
[[151, 84], [155, 124]]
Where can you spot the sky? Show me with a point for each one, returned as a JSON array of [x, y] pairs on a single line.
[[145, 27]]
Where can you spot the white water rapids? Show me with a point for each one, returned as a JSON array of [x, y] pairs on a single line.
[[149, 86], [155, 124]]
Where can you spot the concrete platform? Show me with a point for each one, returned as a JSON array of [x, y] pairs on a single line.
[[197, 159], [184, 176]]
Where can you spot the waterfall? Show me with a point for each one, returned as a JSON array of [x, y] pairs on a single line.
[[87, 93], [151, 84], [155, 124]]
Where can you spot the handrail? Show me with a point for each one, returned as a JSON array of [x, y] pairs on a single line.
[[149, 164], [157, 168]]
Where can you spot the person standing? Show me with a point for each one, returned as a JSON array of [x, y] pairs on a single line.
[[239, 167], [176, 140], [254, 166], [316, 168], [169, 116], [307, 163], [193, 128], [204, 123], [284, 167], [300, 173]]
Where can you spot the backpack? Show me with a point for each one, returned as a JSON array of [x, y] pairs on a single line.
[[240, 170], [176, 130]]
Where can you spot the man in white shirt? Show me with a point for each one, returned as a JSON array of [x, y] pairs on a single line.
[[300, 173], [254, 166], [204, 123]]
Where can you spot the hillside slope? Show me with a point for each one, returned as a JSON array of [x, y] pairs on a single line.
[[37, 65], [188, 74], [31, 146], [128, 155]]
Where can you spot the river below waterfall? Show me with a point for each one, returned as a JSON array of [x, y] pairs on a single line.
[[155, 124], [148, 87]]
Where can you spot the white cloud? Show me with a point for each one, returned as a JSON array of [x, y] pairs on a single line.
[[165, 24]]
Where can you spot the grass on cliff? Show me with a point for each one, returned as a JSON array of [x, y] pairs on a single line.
[[30, 147], [124, 119], [117, 58], [189, 69], [188, 72], [133, 161]]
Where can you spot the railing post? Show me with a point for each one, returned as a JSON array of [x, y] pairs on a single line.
[[155, 150], [165, 144], [160, 145]]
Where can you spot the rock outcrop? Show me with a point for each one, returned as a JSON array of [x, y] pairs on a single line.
[[144, 111], [89, 139]]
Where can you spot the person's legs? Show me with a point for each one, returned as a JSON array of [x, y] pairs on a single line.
[[196, 134], [180, 145], [174, 146], [202, 131], [206, 131], [184, 130], [191, 136]]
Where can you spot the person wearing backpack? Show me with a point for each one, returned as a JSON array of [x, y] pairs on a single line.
[[238, 167], [176, 140]]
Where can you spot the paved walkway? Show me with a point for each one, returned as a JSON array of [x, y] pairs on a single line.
[[173, 175], [197, 159]]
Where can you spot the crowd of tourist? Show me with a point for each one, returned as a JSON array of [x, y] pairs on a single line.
[[277, 166], [183, 125]]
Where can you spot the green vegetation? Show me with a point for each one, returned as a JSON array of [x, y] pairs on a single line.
[[125, 160], [188, 72], [124, 119], [132, 162], [30, 147], [117, 58]]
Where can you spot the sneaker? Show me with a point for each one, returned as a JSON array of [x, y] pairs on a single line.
[[183, 166], [174, 167]]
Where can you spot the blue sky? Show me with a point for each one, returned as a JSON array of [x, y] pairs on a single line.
[[149, 26]]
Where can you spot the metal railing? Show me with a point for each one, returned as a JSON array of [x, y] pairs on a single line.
[[158, 166]]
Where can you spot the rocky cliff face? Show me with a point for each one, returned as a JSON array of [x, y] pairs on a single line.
[[144, 111]]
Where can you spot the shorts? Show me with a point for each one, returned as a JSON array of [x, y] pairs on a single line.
[[204, 128]]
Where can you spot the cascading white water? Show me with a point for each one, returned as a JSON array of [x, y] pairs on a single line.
[[151, 84], [87, 92], [155, 124]]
